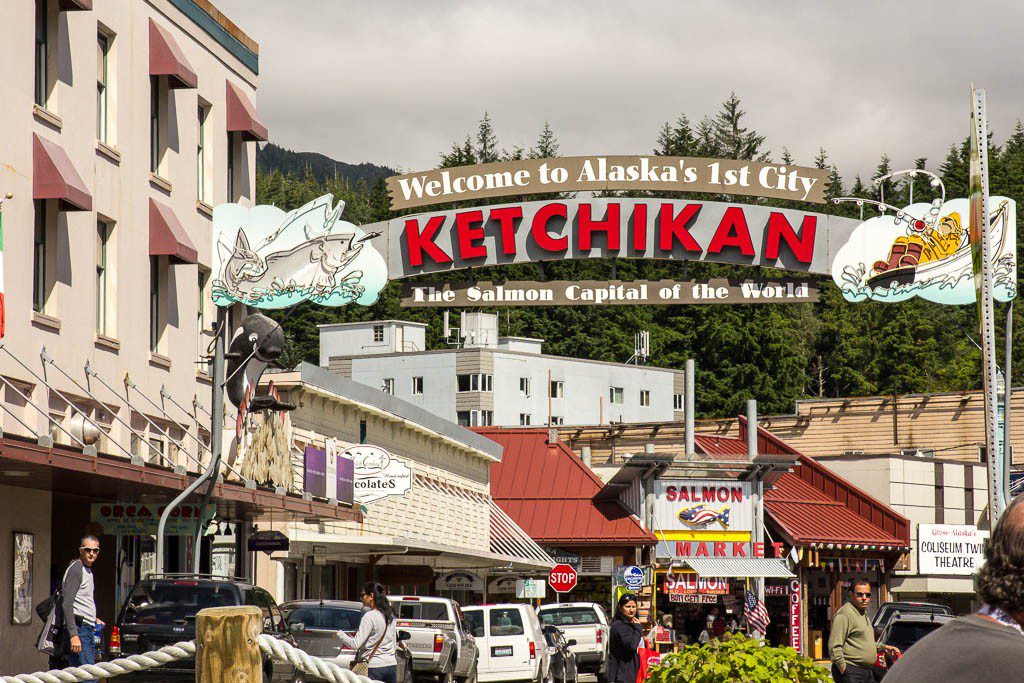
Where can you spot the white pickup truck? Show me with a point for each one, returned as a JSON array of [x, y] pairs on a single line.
[[587, 624], [440, 644]]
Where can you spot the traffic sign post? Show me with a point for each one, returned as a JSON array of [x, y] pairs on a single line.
[[562, 578]]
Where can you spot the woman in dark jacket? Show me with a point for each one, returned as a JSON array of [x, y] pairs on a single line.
[[623, 660]]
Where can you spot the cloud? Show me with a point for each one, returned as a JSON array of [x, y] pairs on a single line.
[[397, 83]]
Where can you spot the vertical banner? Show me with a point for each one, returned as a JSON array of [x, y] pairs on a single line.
[[315, 472], [981, 258], [796, 639]]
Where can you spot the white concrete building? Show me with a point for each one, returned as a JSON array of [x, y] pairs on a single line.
[[501, 381]]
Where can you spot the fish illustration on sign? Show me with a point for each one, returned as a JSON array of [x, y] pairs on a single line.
[[924, 249], [266, 258], [703, 515]]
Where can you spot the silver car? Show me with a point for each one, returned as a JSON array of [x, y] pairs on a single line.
[[315, 623]]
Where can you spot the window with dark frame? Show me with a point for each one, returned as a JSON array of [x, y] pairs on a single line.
[[42, 52], [103, 238], [677, 401], [39, 257], [231, 167], [154, 303], [556, 388], [154, 124], [645, 398], [417, 386], [378, 334], [201, 154], [102, 59]]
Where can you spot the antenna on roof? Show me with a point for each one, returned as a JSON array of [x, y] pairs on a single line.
[[641, 348]]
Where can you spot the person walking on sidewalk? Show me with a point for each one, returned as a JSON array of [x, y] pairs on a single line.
[[852, 643], [375, 641], [987, 645], [80, 603]]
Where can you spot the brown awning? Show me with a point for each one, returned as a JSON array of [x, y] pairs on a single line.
[[73, 5], [55, 177], [167, 236], [242, 116], [167, 59]]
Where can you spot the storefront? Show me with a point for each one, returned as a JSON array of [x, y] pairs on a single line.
[[429, 524]]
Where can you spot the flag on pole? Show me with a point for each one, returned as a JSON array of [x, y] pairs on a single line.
[[757, 615]]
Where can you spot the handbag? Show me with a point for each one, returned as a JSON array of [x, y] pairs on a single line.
[[360, 666], [54, 639]]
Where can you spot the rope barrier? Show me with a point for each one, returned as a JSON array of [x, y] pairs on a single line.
[[278, 650]]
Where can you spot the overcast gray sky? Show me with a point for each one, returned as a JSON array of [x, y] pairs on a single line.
[[395, 83]]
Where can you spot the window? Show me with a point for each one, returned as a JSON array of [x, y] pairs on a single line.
[[616, 396], [556, 389], [557, 420], [462, 417], [102, 275], [677, 401], [155, 150], [201, 321], [39, 258], [378, 334], [102, 59], [475, 418], [42, 89], [417, 386], [388, 386], [156, 451], [524, 419], [201, 153], [362, 431], [506, 622], [645, 398], [154, 303], [475, 382], [524, 386], [231, 167]]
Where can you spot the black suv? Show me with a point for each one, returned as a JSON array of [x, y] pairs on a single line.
[[161, 610]]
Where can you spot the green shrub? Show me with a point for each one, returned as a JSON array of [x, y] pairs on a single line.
[[738, 659]]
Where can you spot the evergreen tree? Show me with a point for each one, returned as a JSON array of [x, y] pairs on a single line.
[[733, 139], [547, 144], [486, 142]]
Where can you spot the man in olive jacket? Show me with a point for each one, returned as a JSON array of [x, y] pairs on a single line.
[[852, 642]]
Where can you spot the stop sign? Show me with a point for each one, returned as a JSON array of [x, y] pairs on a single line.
[[562, 578]]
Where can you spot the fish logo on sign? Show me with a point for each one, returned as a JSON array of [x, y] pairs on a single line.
[[703, 515]]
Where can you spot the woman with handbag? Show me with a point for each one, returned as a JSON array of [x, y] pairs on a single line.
[[375, 640]]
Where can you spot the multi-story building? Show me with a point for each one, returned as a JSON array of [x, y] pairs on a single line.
[[502, 381], [123, 124]]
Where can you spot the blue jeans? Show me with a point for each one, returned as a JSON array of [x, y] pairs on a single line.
[[386, 674], [88, 653]]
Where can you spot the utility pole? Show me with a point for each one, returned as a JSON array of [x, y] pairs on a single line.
[[757, 533]]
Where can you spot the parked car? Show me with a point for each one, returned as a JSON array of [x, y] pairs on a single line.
[[162, 609], [903, 631], [315, 624], [888, 610], [438, 639], [511, 642], [587, 624], [563, 660]]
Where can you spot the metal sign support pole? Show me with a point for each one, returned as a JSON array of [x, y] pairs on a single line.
[[982, 256], [216, 434]]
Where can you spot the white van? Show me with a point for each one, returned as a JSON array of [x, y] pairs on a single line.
[[511, 643]]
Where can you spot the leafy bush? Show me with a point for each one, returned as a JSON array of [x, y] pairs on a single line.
[[738, 659]]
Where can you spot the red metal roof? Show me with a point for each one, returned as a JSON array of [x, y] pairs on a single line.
[[720, 445], [548, 491]]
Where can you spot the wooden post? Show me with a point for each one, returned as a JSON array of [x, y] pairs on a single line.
[[227, 645]]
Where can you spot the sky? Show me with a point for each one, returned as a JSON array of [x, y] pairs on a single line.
[[396, 83]]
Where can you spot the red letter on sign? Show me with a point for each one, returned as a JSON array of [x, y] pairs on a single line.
[[420, 243], [469, 236], [609, 226], [732, 232], [682, 549], [640, 227], [739, 549], [802, 246], [672, 228], [539, 229], [507, 217]]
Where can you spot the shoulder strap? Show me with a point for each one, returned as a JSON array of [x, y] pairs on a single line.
[[381, 640]]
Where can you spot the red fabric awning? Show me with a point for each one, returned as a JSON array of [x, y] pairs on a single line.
[[242, 116], [549, 493], [55, 177], [73, 5], [167, 59], [167, 236]]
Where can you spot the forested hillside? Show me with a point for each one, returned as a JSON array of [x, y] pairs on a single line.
[[774, 353], [270, 158]]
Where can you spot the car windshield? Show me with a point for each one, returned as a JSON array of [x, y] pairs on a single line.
[[324, 617], [426, 611], [475, 622], [169, 602], [903, 634], [569, 616], [506, 622]]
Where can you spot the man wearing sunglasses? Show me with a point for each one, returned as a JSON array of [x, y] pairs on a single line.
[[80, 603], [852, 642]]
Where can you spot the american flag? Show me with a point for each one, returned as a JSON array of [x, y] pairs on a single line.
[[703, 515], [757, 615]]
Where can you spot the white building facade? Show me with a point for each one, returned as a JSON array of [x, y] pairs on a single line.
[[501, 381]]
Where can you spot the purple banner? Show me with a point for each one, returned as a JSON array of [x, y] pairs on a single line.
[[315, 472], [346, 476]]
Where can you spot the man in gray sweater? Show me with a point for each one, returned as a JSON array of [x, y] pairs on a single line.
[[987, 645], [80, 603]]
